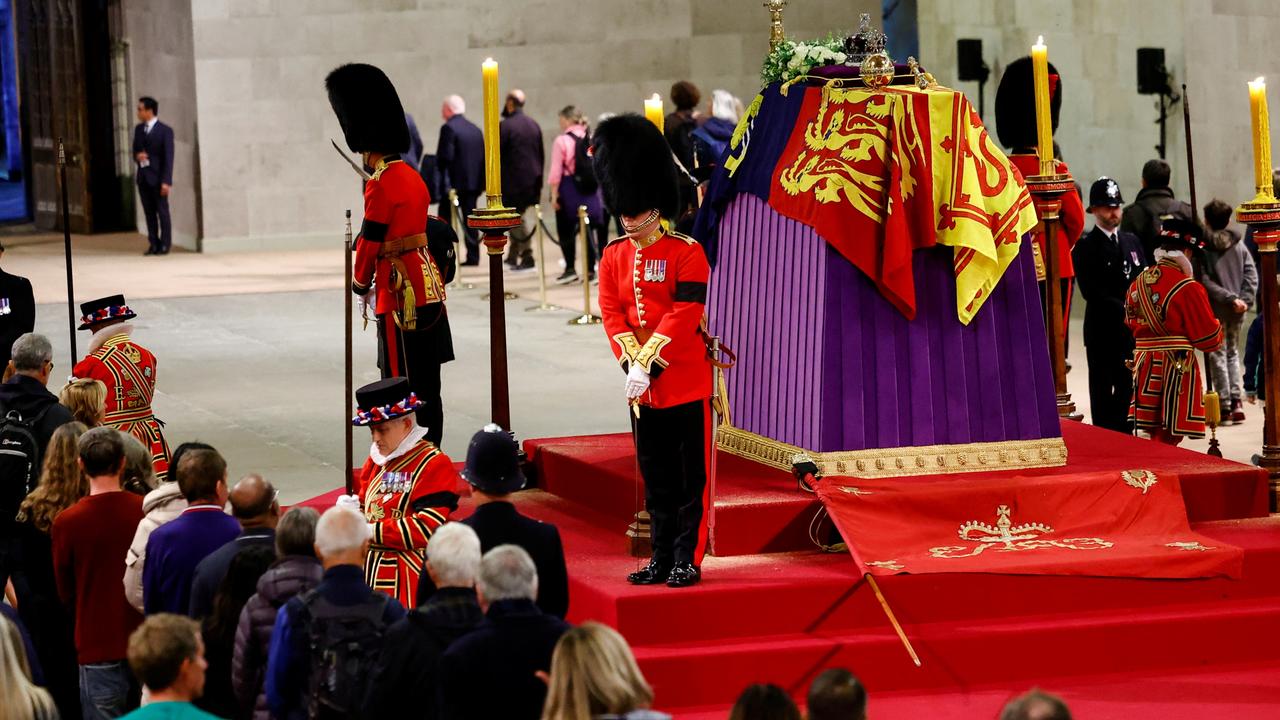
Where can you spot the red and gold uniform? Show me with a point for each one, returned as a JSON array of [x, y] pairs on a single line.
[[408, 257], [652, 300], [1170, 316], [405, 500], [129, 372]]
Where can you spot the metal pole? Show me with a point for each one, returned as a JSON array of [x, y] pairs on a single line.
[[348, 368], [542, 305], [586, 318], [66, 245]]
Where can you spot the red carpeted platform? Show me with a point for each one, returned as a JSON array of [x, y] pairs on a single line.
[[758, 509]]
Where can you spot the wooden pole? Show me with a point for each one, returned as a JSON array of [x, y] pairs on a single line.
[[1046, 192], [1271, 364], [348, 366], [66, 249], [888, 611]]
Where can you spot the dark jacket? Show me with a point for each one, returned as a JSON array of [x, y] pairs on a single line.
[[211, 570], [460, 156], [489, 672], [499, 523], [522, 160], [1254, 379], [413, 155], [28, 397], [17, 313], [1227, 271], [411, 656], [678, 128], [1142, 218], [1104, 271], [158, 145], [709, 145], [289, 659], [289, 576]]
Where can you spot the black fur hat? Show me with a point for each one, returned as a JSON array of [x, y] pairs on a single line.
[[1016, 104], [368, 109], [634, 165]]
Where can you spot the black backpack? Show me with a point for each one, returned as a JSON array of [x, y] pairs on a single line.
[[584, 173], [19, 461], [345, 641]]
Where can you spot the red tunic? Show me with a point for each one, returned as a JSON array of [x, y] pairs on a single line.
[[406, 500], [129, 372], [1072, 214], [395, 207], [652, 300], [1170, 316]]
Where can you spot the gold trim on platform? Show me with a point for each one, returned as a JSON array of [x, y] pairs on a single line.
[[897, 462]]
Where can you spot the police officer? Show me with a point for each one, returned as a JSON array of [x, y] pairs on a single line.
[[17, 311], [1107, 259]]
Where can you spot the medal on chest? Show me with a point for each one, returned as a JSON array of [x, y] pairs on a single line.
[[5, 309], [655, 270]]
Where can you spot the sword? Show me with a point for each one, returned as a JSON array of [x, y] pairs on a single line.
[[354, 165]]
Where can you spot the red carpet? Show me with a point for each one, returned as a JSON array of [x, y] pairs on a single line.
[[1115, 647]]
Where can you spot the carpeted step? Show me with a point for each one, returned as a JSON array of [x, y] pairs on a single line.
[[964, 654]]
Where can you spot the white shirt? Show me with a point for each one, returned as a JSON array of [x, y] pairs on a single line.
[[150, 124]]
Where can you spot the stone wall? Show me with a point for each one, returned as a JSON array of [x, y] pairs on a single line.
[[268, 176], [160, 63], [1106, 127]]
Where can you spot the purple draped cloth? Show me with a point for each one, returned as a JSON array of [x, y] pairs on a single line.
[[827, 364]]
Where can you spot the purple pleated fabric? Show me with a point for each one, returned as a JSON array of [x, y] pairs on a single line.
[[826, 363]]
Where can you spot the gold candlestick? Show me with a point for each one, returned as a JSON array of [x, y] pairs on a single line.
[[653, 111], [1044, 112], [1261, 126], [492, 160], [776, 34]]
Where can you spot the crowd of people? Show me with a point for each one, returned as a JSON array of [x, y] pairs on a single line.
[[697, 133]]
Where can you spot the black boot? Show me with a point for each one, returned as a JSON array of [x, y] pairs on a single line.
[[655, 573], [683, 575]]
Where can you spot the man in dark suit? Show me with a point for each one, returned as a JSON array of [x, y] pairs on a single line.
[[493, 469], [522, 162], [460, 166], [1107, 260], [153, 154], [17, 311]]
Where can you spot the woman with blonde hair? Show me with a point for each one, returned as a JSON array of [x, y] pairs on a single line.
[[594, 676], [23, 699], [86, 398], [61, 485]]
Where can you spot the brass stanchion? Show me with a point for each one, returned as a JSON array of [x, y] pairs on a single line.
[[542, 305], [459, 229], [586, 318]]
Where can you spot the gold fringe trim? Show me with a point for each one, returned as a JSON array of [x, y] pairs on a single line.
[[899, 462]]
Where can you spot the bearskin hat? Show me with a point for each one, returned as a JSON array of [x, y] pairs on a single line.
[[635, 168], [1016, 104], [368, 109]]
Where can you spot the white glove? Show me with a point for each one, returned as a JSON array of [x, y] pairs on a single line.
[[364, 302], [637, 382], [348, 501]]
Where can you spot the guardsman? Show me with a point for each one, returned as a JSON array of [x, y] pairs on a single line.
[[404, 257], [653, 291], [129, 372], [406, 489], [1171, 318], [1016, 126], [1107, 260]]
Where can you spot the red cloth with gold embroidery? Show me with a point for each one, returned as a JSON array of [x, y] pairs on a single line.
[[1071, 214], [652, 301], [395, 206], [1114, 523], [855, 152], [1170, 316], [405, 500], [129, 372]]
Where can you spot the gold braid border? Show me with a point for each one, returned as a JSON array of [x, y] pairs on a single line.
[[898, 462]]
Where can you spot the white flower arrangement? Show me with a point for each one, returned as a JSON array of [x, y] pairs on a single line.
[[792, 59]]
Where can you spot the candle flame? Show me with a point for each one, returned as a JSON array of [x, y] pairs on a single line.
[[656, 97], [1260, 81], [489, 61], [1039, 40]]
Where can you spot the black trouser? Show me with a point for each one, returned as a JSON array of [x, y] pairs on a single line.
[[567, 234], [414, 355], [1110, 386], [466, 205], [1068, 286], [671, 446], [155, 208]]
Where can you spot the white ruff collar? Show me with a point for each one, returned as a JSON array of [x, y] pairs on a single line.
[[106, 333], [413, 438]]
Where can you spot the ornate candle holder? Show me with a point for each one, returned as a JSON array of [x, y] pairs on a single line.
[[1046, 192], [776, 33], [493, 222], [1262, 214]]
